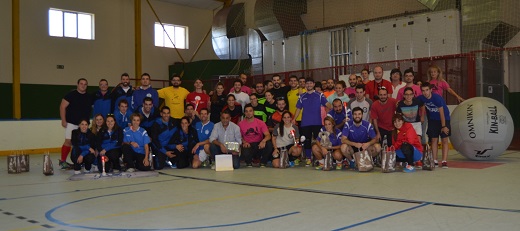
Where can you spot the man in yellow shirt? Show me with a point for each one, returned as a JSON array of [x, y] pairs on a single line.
[[293, 95], [174, 97]]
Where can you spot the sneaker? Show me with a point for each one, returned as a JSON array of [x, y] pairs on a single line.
[[250, 165], [86, 171], [418, 164], [308, 162], [130, 170], [262, 165], [297, 162], [213, 166], [319, 167], [94, 168], [291, 164], [436, 163], [444, 164], [339, 166], [116, 171], [352, 165], [77, 172], [64, 165], [409, 169]]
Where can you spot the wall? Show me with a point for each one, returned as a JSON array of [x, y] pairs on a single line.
[[109, 55], [157, 59], [31, 134], [326, 13], [6, 64]]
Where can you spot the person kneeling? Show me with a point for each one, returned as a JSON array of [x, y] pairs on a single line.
[[135, 146], [408, 148], [284, 135], [83, 143], [329, 140]]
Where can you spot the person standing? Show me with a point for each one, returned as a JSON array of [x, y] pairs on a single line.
[[293, 95], [438, 122], [198, 98], [408, 80], [397, 81], [381, 114], [311, 101], [174, 97], [362, 102], [218, 101], [373, 86], [436, 79], [278, 90], [122, 91], [74, 107], [240, 97], [143, 91], [102, 100]]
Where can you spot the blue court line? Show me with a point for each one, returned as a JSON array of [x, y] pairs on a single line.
[[49, 217], [344, 194], [85, 190], [382, 217]]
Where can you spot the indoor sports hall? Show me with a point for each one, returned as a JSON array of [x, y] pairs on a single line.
[[47, 46]]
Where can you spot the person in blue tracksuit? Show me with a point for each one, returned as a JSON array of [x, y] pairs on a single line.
[[161, 132], [109, 140], [149, 113], [143, 91], [83, 144], [122, 91], [102, 100]]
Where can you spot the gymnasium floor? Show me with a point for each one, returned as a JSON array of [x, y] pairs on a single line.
[[467, 196]]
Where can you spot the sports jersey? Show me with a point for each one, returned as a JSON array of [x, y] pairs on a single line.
[[140, 136], [359, 133], [335, 139], [292, 97], [339, 117], [139, 94], [201, 97], [311, 103], [174, 98], [432, 107]]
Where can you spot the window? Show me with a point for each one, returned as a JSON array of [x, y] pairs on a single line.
[[177, 34], [70, 24]]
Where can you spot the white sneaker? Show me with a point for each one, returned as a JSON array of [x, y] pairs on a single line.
[[130, 170], [77, 172], [94, 168]]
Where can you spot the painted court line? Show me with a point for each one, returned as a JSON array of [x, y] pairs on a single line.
[[344, 194], [382, 217], [49, 216]]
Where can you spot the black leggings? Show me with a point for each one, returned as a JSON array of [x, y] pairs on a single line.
[[133, 159], [87, 159], [407, 150], [113, 160]]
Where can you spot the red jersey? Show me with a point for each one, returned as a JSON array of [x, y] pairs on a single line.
[[201, 97], [384, 113]]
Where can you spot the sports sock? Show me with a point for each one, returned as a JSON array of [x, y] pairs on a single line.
[[65, 152]]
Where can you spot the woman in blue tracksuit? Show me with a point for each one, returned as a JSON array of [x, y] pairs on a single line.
[[83, 144], [184, 139], [109, 140]]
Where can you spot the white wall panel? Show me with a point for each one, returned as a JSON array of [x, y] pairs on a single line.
[[319, 49], [293, 53], [360, 44], [419, 28], [268, 57], [278, 56], [403, 39]]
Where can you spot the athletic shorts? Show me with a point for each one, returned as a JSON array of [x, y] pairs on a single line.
[[68, 130], [434, 129], [418, 128]]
